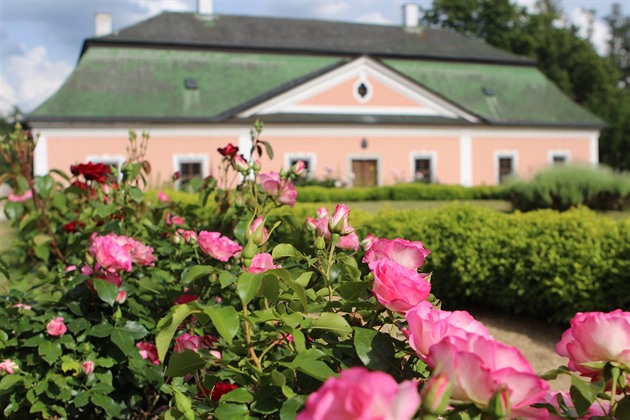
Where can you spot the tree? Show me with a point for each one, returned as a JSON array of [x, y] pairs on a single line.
[[619, 43]]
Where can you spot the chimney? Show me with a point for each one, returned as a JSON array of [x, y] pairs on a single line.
[[102, 24], [204, 7], [411, 15]]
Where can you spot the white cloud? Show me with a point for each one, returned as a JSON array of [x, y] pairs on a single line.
[[600, 31], [153, 7], [30, 78], [374, 17], [8, 98]]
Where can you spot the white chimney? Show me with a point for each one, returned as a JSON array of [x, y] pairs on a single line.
[[411, 15], [204, 7], [102, 24]]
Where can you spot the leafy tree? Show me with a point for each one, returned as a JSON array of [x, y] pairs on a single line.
[[619, 43]]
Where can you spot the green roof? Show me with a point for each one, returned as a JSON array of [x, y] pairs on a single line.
[[498, 94], [132, 83]]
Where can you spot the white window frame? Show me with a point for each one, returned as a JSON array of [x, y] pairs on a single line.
[[178, 159], [566, 154], [117, 159], [505, 154], [431, 156], [311, 157]]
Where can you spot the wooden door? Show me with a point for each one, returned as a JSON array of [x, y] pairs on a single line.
[[365, 173]]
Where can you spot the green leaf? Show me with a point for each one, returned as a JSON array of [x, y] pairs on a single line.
[[195, 272], [353, 290], [334, 323], [136, 194], [238, 395], [584, 393], [34, 341], [247, 286], [304, 278], [41, 239], [106, 291], [42, 252], [285, 250], [104, 329], [227, 411], [181, 364], [375, 349], [169, 324], [623, 408], [270, 288], [225, 320], [9, 381], [315, 368], [50, 351], [268, 148], [183, 404], [291, 407], [44, 185], [106, 403], [124, 336]]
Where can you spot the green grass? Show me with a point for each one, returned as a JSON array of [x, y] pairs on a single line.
[[374, 207], [5, 236]]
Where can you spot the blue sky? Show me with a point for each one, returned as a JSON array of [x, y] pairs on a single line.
[[41, 39]]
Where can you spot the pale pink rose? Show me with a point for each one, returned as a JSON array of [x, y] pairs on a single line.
[[406, 253], [8, 366], [338, 222], [23, 306], [20, 198], [478, 367], [261, 263], [241, 164], [282, 189], [110, 253], [189, 236], [87, 367], [360, 394], [71, 268], [258, 232], [163, 197], [600, 408], [148, 351], [298, 168], [86, 270], [398, 288], [187, 341], [596, 337], [428, 326], [172, 219], [368, 241], [142, 254], [56, 327], [121, 297], [350, 241], [218, 246]]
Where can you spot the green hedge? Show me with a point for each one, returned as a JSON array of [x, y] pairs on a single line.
[[565, 186], [541, 264], [415, 191]]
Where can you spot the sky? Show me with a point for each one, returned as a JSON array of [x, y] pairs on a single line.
[[40, 40]]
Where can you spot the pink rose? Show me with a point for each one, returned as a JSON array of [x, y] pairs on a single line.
[[56, 327], [478, 367], [121, 297], [189, 236], [360, 394], [350, 241], [87, 367], [218, 246], [298, 168], [241, 164], [8, 366], [187, 341], [406, 253], [110, 253], [596, 337], [338, 222], [23, 306], [174, 220], [71, 268], [148, 352], [20, 198], [368, 241], [598, 409], [428, 326], [281, 189], [398, 288], [258, 232], [163, 197], [261, 263], [142, 254]]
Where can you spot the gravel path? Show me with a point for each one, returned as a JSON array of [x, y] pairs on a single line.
[[536, 340]]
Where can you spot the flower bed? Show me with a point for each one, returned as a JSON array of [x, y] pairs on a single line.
[[135, 309]]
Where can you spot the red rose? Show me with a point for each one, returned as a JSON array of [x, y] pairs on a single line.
[[98, 172], [221, 388], [229, 151], [183, 299], [72, 226]]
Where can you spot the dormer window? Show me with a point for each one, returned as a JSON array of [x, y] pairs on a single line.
[[362, 90]]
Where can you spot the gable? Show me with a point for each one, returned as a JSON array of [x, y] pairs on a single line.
[[361, 87]]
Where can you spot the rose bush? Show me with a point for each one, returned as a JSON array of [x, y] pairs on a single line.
[[119, 307]]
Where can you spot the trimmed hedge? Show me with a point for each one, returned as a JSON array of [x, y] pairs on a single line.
[[541, 264], [415, 191], [565, 186]]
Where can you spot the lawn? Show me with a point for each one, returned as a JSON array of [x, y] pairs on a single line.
[[374, 207]]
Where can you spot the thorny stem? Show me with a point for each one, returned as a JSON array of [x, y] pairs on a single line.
[[248, 340], [331, 255]]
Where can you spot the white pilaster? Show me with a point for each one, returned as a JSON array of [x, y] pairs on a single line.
[[465, 161]]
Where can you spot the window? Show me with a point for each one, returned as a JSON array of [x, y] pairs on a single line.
[[558, 157], [309, 160], [422, 170], [190, 167], [506, 168], [307, 164]]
